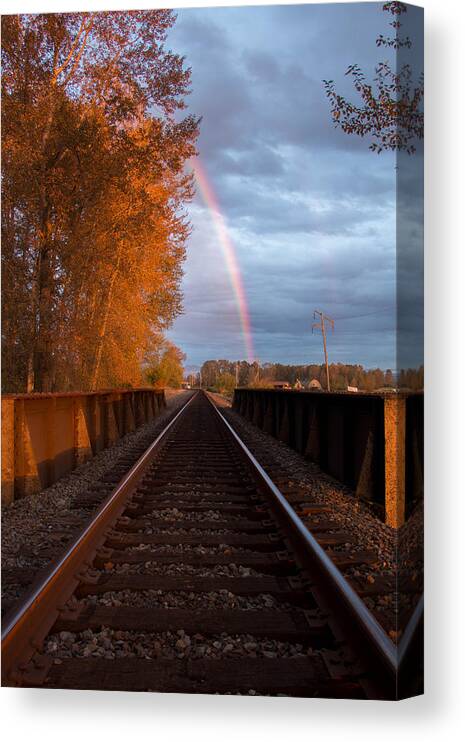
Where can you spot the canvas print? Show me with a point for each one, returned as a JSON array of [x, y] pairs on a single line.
[[212, 350]]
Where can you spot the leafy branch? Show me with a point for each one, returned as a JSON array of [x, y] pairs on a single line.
[[391, 111]]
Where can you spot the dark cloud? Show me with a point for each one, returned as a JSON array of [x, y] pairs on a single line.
[[262, 66], [311, 211], [259, 161]]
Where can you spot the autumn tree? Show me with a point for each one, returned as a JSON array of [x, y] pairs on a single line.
[[164, 366], [389, 378], [391, 106], [411, 379], [93, 225], [225, 384]]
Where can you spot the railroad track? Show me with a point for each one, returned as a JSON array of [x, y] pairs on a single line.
[[196, 575], [391, 597], [68, 524]]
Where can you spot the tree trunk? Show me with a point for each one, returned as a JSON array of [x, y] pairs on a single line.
[[39, 368], [103, 328], [42, 348], [34, 312]]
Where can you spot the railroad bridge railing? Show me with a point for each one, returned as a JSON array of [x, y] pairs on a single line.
[[372, 442], [45, 436]]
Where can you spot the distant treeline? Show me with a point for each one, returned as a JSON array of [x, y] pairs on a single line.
[[224, 375]]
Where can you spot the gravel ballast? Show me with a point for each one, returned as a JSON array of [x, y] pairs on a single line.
[[214, 600], [48, 519], [184, 570], [396, 551], [110, 644], [36, 529]]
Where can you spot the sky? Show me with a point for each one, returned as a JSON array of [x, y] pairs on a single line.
[[309, 211]]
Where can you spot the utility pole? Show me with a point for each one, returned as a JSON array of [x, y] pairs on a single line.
[[237, 373], [321, 325], [200, 377]]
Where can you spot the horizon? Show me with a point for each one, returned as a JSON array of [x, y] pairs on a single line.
[[191, 368]]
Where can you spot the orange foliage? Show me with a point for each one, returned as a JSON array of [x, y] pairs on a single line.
[[94, 187]]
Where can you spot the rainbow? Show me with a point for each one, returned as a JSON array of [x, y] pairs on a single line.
[[229, 254]]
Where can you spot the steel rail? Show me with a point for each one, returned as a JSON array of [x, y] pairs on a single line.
[[368, 627], [395, 659], [411, 630], [31, 622], [35, 616]]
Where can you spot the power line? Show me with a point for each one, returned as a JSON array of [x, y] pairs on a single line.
[[367, 314], [321, 325]]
